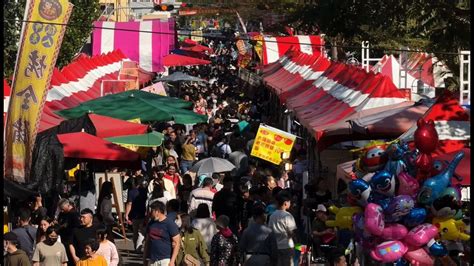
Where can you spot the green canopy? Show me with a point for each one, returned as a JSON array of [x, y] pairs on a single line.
[[151, 139], [137, 104]]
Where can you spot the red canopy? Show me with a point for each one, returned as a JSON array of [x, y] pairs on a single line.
[[464, 168], [81, 145], [181, 60], [189, 42], [197, 48], [107, 127]]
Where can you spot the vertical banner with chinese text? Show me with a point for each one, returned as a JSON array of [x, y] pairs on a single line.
[[271, 142], [40, 41]]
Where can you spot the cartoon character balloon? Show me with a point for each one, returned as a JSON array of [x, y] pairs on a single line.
[[360, 191], [434, 186], [407, 185], [447, 205], [398, 207], [371, 159], [418, 257], [396, 164], [383, 182], [426, 141], [450, 229], [389, 251]]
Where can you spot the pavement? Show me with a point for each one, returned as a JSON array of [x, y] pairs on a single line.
[[126, 251]]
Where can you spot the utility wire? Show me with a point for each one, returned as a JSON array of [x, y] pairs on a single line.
[[234, 39]]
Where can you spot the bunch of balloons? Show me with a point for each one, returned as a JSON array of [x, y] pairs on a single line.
[[407, 204]]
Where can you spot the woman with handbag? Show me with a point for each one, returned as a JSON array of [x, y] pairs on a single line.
[[193, 247]]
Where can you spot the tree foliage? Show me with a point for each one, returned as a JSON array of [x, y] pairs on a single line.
[[83, 14], [437, 25]]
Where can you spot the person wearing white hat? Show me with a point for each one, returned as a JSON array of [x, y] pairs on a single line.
[[320, 232]]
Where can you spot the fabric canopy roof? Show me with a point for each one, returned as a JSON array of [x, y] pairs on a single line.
[[138, 104], [80, 81], [107, 127], [276, 47], [181, 60], [96, 148], [6, 100], [328, 93], [152, 139]]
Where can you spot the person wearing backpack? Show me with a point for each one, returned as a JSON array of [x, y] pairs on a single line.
[[222, 149]]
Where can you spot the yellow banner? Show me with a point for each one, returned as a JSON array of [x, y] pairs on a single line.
[[258, 46], [270, 143], [40, 42]]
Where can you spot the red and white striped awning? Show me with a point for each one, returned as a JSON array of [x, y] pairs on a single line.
[[6, 100], [80, 81], [328, 92], [276, 47]]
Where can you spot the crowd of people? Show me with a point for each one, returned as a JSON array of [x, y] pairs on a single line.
[[252, 215]]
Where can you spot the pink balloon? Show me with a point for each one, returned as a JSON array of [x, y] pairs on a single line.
[[373, 220], [421, 235], [419, 257], [408, 185], [394, 232], [389, 251]]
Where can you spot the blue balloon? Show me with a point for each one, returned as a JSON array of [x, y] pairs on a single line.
[[395, 164], [434, 186], [401, 262], [361, 191], [384, 183], [416, 217], [437, 249]]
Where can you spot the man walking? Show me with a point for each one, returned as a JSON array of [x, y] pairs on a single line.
[[162, 241], [26, 233], [68, 220], [14, 256], [81, 235], [135, 211], [283, 226], [225, 203], [258, 242], [201, 195]]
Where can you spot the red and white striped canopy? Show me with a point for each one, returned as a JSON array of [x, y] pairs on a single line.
[[6, 100], [328, 92], [276, 47]]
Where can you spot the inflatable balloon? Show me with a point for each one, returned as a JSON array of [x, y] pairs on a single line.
[[407, 185], [421, 235], [398, 207], [450, 229], [389, 251], [419, 257], [446, 206], [394, 232], [373, 219], [436, 248], [384, 183], [401, 262], [343, 218], [395, 164], [416, 217], [362, 236], [410, 161], [372, 158], [360, 191], [434, 186], [426, 140]]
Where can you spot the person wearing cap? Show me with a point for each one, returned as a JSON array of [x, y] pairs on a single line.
[[258, 243], [14, 256], [201, 195], [320, 232], [224, 244]]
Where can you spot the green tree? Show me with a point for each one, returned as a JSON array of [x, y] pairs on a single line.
[[83, 14]]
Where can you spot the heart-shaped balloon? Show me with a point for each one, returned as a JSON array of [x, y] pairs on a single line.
[[407, 185]]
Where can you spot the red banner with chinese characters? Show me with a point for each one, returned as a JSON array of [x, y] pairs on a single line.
[[40, 41]]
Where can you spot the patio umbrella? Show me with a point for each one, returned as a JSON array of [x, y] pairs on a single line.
[[180, 76], [212, 165], [81, 145], [151, 139], [147, 106], [182, 60]]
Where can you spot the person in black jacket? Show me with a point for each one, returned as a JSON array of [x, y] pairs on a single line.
[[225, 203]]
